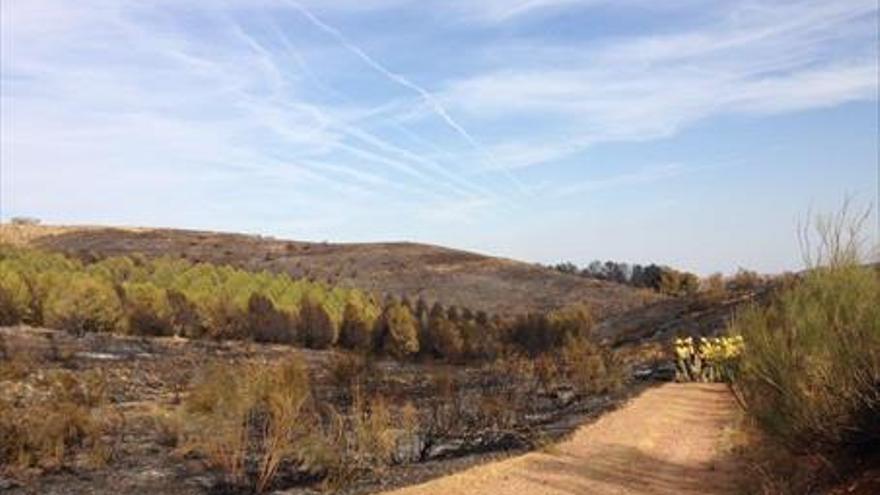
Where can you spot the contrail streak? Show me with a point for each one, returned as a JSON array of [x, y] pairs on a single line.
[[428, 98], [371, 139], [267, 59]]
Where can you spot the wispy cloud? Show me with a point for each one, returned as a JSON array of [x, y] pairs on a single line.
[[327, 115], [430, 101], [397, 78], [500, 11], [759, 58]]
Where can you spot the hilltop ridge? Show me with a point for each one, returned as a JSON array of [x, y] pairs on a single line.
[[435, 273]]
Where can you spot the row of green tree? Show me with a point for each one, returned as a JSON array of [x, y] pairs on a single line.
[[167, 296]]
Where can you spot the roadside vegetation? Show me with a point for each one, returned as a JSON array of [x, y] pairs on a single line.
[[809, 376]]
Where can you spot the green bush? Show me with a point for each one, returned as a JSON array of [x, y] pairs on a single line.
[[810, 372], [590, 367], [811, 368], [84, 304]]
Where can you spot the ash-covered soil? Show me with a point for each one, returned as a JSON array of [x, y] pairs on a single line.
[[147, 379]]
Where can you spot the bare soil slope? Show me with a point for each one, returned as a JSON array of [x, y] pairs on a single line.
[[668, 440], [435, 273], [663, 320]]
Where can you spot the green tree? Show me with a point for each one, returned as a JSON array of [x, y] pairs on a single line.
[[676, 283], [15, 300], [317, 328], [266, 323], [184, 315], [402, 337], [147, 309], [356, 331], [444, 338], [85, 304]]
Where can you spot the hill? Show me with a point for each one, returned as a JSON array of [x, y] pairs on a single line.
[[450, 276]]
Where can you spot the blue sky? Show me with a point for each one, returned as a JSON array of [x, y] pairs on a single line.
[[693, 133]]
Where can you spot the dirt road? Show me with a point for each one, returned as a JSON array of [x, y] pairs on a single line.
[[666, 441]]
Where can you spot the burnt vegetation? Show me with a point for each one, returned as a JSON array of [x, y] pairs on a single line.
[[398, 382]]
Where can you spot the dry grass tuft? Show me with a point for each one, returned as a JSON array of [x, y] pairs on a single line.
[[249, 420], [63, 417]]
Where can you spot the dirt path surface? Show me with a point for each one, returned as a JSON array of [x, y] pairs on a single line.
[[666, 441]]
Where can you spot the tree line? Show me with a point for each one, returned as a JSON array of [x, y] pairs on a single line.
[[666, 280], [169, 296], [652, 276]]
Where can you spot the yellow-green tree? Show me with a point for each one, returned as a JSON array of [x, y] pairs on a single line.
[[147, 309], [357, 328], [317, 328], [14, 297], [84, 304], [402, 333]]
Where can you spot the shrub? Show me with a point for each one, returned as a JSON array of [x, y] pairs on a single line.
[[402, 333], [546, 370], [373, 436], [251, 419], [348, 371], [713, 286], [147, 309], [575, 321], [15, 363], [84, 304], [591, 368], [745, 280], [45, 430], [811, 368], [812, 364]]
